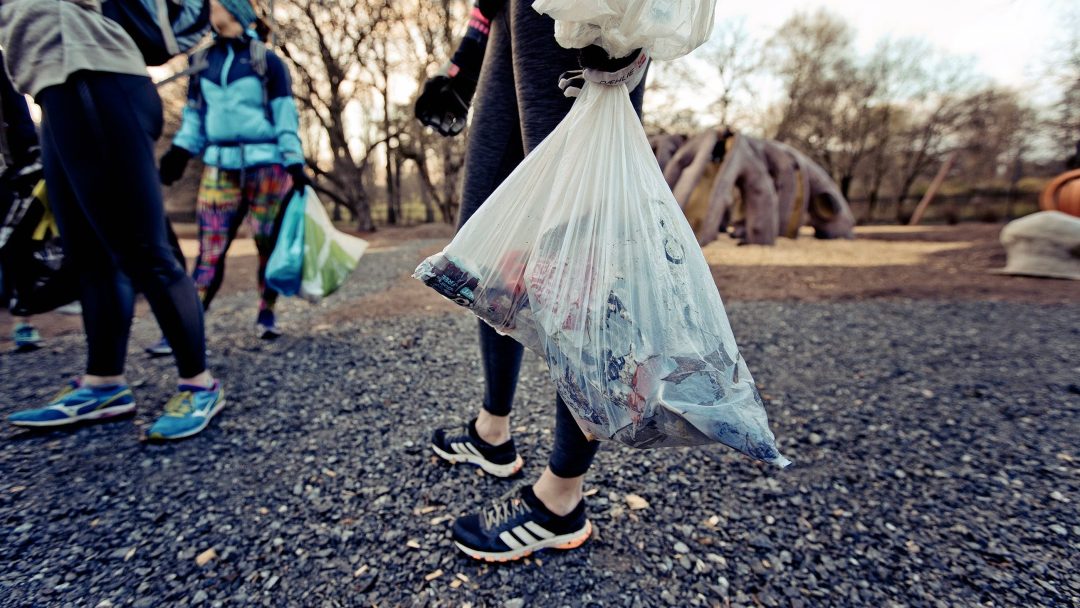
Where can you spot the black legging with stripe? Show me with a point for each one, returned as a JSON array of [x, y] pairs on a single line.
[[98, 133], [518, 103]]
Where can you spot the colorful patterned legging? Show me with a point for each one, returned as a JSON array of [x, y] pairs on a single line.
[[222, 205]]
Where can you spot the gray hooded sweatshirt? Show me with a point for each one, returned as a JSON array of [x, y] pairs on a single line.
[[46, 41]]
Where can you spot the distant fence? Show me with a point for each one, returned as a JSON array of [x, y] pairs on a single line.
[[989, 205]]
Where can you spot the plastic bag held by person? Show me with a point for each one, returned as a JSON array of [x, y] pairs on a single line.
[[583, 255], [329, 255], [285, 268], [668, 29]]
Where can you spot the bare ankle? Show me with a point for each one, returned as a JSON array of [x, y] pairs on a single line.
[[91, 380], [495, 430], [559, 494], [205, 380]]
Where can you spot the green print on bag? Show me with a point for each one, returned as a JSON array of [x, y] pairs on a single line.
[[329, 255]]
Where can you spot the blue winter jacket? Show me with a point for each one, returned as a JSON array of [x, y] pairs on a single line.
[[227, 118]]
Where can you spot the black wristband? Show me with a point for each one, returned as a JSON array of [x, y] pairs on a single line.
[[594, 57], [468, 59]]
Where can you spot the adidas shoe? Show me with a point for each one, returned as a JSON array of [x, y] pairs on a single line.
[[27, 338], [498, 460], [188, 412], [77, 403], [516, 525]]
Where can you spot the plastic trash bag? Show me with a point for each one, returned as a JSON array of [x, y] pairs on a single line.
[[667, 28], [284, 269], [329, 255], [583, 255]]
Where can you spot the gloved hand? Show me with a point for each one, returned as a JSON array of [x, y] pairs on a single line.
[[300, 177], [173, 164], [599, 68], [444, 103]]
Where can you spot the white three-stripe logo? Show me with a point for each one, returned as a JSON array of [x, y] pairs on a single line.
[[520, 537], [465, 448]]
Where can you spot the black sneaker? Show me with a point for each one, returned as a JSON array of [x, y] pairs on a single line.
[[518, 524], [498, 460], [158, 349]]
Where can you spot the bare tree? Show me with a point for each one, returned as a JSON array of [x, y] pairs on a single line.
[[811, 53], [438, 160], [932, 124], [328, 42]]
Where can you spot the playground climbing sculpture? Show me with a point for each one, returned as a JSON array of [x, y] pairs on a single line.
[[779, 188]]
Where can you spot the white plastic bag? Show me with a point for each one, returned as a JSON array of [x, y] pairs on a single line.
[[667, 28], [583, 255], [329, 254]]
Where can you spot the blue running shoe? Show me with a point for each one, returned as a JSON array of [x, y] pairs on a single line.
[[188, 412], [27, 338], [77, 403]]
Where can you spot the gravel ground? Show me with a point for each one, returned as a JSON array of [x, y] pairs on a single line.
[[935, 446]]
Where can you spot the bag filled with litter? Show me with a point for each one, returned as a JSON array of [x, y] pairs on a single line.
[[584, 256]]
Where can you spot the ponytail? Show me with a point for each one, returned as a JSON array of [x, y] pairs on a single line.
[[263, 29]]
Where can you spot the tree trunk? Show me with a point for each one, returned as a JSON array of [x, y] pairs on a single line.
[[845, 185]]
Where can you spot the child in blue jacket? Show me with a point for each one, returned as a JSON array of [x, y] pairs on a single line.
[[241, 117]]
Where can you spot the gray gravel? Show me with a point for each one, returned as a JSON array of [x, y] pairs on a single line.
[[935, 447]]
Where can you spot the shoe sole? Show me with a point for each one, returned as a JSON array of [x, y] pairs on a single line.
[[267, 334], [157, 354], [498, 470], [27, 348], [108, 412], [562, 543], [195, 431]]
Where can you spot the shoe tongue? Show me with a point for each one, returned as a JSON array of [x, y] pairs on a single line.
[[533, 502]]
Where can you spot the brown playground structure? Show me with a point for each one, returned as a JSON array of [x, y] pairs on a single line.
[[760, 188]]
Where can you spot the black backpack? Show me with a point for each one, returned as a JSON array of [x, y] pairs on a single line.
[[30, 240], [162, 29]]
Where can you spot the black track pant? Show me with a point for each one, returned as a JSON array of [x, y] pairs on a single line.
[[518, 103], [98, 133]]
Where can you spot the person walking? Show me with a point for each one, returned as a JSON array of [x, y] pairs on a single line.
[[100, 117], [20, 172], [242, 118], [509, 58]]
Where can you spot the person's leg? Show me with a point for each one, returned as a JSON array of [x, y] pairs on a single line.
[[560, 485], [492, 152], [269, 189], [219, 215], [102, 125], [105, 293]]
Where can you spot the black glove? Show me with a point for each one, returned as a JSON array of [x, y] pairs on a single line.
[[444, 104], [300, 179], [173, 164]]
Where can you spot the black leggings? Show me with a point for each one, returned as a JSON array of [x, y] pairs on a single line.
[[518, 103], [98, 133]]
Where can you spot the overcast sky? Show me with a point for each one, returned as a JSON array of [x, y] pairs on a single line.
[[1009, 39]]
